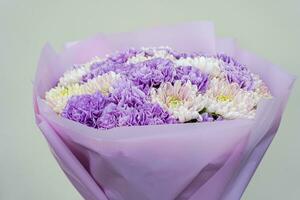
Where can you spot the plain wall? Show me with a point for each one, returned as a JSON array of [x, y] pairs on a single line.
[[28, 171]]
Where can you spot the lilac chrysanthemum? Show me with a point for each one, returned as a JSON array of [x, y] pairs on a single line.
[[236, 72]]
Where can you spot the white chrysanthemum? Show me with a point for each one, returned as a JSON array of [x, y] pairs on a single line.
[[103, 83], [230, 101], [160, 52], [208, 65], [181, 100], [137, 59], [74, 76], [260, 87], [58, 97]]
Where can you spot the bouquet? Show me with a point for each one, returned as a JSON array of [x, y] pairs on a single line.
[[168, 113]]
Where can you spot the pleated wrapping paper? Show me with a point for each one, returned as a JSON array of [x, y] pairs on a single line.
[[209, 161]]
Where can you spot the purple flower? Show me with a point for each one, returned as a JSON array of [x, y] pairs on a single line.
[[109, 117], [102, 67], [116, 63], [126, 94], [209, 117], [149, 114], [152, 73], [194, 75], [85, 109], [236, 72]]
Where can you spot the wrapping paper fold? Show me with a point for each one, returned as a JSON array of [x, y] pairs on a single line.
[[209, 161]]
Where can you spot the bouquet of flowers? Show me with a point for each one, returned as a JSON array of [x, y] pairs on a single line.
[[165, 113]]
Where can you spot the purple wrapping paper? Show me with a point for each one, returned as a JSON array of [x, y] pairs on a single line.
[[209, 161]]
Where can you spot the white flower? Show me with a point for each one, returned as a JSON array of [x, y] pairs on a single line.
[[230, 101], [103, 83], [181, 100], [207, 65], [260, 87], [160, 52], [74, 75], [58, 97], [137, 59]]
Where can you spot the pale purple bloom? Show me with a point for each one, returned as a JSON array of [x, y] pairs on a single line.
[[85, 109], [152, 73], [209, 117], [194, 75], [236, 72]]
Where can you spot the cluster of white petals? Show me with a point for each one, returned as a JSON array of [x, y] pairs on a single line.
[[160, 52], [181, 100], [260, 87], [230, 101], [74, 75], [58, 96], [104, 83], [207, 65]]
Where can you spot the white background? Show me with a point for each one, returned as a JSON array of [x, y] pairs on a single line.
[[27, 169]]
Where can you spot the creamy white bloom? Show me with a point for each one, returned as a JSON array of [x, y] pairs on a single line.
[[230, 101], [138, 58], [103, 83], [181, 100], [260, 87], [58, 97], [208, 65], [160, 52], [74, 76]]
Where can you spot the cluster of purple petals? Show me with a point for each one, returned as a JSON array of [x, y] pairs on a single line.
[[85, 109], [126, 106], [209, 117], [151, 73], [236, 72], [189, 73], [116, 63]]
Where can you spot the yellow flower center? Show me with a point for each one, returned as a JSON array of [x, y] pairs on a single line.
[[64, 92], [224, 98], [173, 101], [105, 89]]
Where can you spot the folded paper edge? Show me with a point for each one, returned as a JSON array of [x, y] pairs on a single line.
[[82, 176]]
